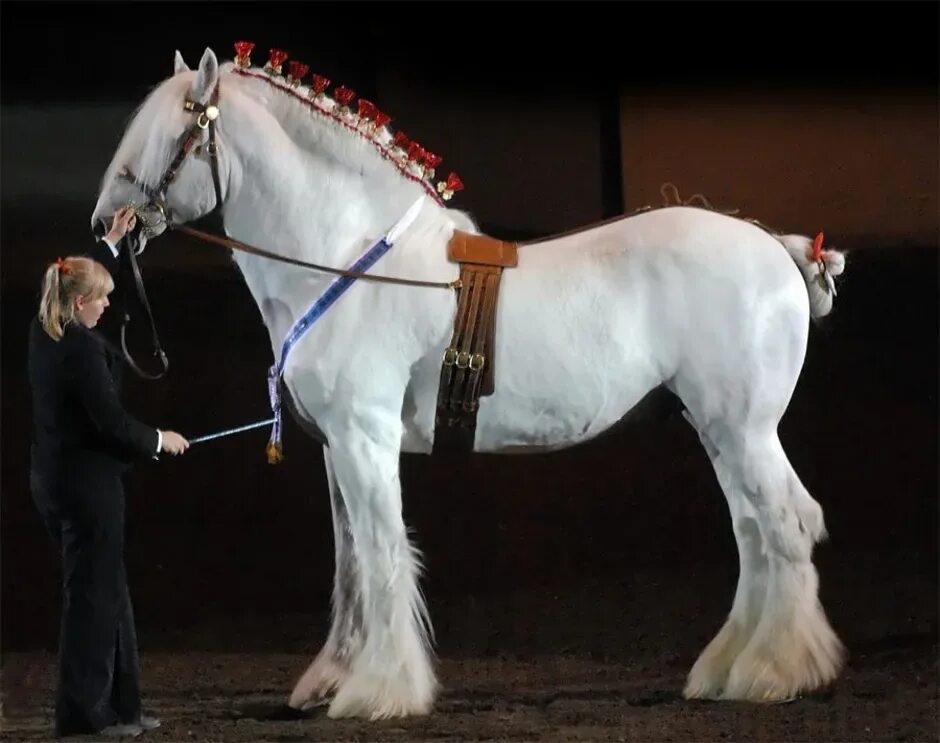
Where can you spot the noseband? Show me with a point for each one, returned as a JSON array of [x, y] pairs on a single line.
[[156, 213]]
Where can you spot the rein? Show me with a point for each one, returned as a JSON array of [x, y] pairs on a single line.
[[238, 245], [142, 294]]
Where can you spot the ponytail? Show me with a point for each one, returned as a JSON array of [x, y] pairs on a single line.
[[64, 280], [51, 307]]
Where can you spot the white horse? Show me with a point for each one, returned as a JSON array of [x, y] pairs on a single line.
[[713, 307]]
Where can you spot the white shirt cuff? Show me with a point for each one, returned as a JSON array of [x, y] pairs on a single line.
[[159, 442], [114, 250]]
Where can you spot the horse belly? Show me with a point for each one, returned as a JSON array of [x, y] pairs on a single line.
[[572, 357]]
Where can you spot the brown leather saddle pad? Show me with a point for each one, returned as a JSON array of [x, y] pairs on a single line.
[[468, 364]]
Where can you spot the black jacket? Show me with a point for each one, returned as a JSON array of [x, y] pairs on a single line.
[[79, 424], [109, 325], [102, 253]]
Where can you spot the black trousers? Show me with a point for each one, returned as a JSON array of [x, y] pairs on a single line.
[[99, 672]]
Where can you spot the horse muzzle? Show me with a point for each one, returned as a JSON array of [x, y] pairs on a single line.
[[152, 219]]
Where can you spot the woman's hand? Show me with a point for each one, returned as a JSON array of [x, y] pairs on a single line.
[[173, 443], [124, 220]]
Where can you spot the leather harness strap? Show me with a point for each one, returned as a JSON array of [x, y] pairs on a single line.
[[468, 364], [205, 119]]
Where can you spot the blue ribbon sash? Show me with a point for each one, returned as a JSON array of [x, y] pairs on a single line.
[[300, 327]]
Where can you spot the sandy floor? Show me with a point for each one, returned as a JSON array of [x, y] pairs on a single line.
[[889, 696]]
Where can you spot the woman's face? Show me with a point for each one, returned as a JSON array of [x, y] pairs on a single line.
[[89, 311]]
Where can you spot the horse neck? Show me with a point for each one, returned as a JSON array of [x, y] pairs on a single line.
[[297, 200]]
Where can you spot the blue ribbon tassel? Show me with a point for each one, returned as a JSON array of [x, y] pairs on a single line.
[[275, 449]]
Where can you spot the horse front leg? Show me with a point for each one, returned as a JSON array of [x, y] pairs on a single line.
[[389, 668], [331, 665]]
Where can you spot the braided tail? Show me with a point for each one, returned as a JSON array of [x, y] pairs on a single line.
[[819, 268]]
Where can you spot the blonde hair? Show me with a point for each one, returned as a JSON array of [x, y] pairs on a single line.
[[66, 279]]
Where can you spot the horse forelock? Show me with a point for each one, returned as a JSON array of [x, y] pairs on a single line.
[[150, 138]]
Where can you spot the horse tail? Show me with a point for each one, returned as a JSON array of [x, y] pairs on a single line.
[[818, 266]]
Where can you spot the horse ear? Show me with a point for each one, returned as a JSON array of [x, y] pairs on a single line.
[[179, 64], [207, 76]]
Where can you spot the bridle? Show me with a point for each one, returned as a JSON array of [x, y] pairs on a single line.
[[156, 210], [155, 213]]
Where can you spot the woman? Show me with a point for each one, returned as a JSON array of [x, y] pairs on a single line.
[[83, 440]]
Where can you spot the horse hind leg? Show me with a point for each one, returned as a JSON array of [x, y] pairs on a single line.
[[792, 648], [777, 634], [331, 665], [709, 674]]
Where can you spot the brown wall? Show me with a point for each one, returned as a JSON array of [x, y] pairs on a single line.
[[860, 166], [853, 165]]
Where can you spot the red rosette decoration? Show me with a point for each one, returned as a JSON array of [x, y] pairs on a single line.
[[319, 85], [454, 183], [415, 152], [243, 53], [367, 109], [449, 187], [297, 71], [817, 248], [276, 57], [343, 95], [824, 279], [431, 160], [381, 119], [401, 140]]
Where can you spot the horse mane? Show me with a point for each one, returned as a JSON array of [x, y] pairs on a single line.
[[360, 139], [352, 138]]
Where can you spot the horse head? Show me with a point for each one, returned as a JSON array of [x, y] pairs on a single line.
[[164, 162]]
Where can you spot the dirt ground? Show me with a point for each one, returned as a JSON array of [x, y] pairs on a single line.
[[239, 697], [605, 663]]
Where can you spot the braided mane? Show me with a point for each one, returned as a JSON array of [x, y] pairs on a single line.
[[366, 121]]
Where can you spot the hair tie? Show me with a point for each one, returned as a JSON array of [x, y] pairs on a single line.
[[63, 268]]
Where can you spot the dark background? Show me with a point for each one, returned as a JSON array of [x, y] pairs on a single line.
[[97, 51], [225, 551]]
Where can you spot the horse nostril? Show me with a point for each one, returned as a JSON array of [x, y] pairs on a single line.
[[99, 229]]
